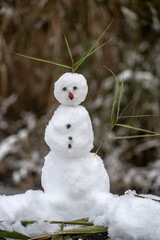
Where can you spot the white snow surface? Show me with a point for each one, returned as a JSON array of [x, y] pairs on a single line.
[[73, 83], [77, 179], [131, 218], [70, 122], [127, 217]]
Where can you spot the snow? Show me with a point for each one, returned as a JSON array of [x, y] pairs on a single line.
[[71, 83], [146, 79], [10, 144], [129, 217], [75, 177], [70, 122], [70, 171], [75, 182], [39, 206]]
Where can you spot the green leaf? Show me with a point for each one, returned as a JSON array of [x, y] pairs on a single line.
[[90, 230], [120, 97], [44, 236], [85, 230], [114, 100], [75, 222], [96, 49], [135, 128], [136, 195], [14, 235], [92, 47], [42, 60], [89, 51], [83, 221], [138, 116], [134, 136], [69, 50], [120, 116], [76, 66], [25, 223], [99, 147]]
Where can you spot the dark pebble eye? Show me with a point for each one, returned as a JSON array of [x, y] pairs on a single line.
[[68, 125], [75, 88], [64, 89], [70, 138], [69, 146]]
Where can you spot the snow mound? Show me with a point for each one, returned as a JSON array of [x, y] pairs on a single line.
[[127, 217], [131, 218]]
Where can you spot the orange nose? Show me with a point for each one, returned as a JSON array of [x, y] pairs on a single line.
[[71, 96]]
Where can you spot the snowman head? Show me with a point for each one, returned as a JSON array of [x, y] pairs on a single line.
[[71, 89]]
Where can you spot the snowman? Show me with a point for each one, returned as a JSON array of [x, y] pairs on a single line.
[[71, 172]]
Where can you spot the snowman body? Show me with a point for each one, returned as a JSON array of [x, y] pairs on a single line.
[[70, 170], [69, 132]]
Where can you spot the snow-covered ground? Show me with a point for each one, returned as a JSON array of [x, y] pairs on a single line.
[[127, 217], [131, 217]]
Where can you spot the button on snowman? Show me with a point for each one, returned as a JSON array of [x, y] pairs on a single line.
[[70, 170]]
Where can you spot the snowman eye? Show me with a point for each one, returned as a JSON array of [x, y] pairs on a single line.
[[64, 89], [75, 88]]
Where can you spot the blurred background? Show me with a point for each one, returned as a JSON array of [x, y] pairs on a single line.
[[35, 28]]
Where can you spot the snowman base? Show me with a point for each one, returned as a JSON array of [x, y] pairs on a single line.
[[74, 177]]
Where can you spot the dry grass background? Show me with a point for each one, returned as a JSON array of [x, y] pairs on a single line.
[[35, 28]]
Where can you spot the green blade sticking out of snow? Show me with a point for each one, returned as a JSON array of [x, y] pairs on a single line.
[[79, 231], [91, 50], [76, 65], [69, 50], [114, 99], [13, 235], [43, 60]]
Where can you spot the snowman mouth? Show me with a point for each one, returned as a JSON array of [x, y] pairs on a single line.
[[71, 96]]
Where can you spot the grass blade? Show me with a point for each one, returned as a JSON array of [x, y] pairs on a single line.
[[96, 49], [85, 230], [88, 53], [134, 136], [136, 195], [69, 50], [43, 236], [90, 230], [92, 47], [95, 43], [120, 97], [13, 235], [75, 222], [100, 146], [76, 66], [120, 116], [114, 100], [42, 60], [138, 116], [135, 128]]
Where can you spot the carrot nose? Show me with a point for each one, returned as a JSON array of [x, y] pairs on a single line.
[[71, 96]]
